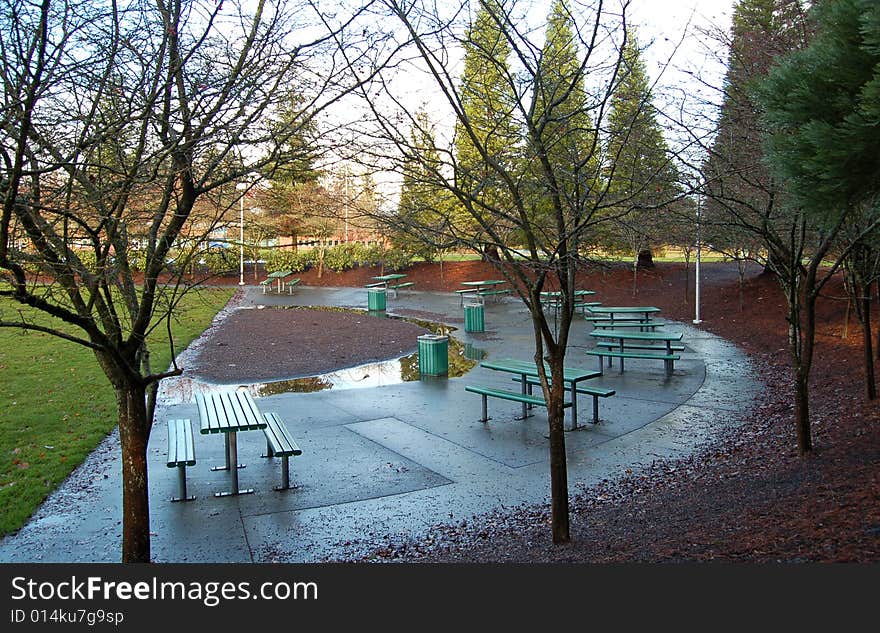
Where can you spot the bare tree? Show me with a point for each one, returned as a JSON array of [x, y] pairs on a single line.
[[534, 200], [120, 121]]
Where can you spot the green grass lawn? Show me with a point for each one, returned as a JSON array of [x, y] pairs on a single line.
[[56, 404]]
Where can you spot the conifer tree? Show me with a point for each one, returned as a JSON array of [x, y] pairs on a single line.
[[562, 121], [639, 170], [486, 136]]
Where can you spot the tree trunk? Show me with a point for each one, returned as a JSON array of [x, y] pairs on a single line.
[[134, 432], [870, 383], [877, 345], [490, 254], [635, 289], [802, 411], [801, 335], [558, 470]]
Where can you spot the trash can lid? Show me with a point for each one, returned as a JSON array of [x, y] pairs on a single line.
[[433, 337]]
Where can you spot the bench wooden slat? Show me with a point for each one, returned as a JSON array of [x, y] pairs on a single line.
[[677, 347], [596, 352], [280, 443], [506, 395], [181, 447], [181, 452], [277, 434], [205, 420]]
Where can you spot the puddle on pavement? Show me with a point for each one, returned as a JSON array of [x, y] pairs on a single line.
[[461, 356]]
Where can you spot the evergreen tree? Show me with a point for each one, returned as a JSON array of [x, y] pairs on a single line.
[[486, 135], [564, 133], [822, 106], [424, 205], [641, 176], [737, 180]]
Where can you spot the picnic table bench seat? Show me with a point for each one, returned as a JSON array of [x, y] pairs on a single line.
[[494, 293], [375, 284], [487, 392], [292, 284], [668, 359], [181, 452], [596, 392], [614, 345], [618, 319], [396, 287], [615, 324], [279, 443], [266, 283]]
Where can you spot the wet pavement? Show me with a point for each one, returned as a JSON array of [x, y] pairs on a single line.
[[386, 459]]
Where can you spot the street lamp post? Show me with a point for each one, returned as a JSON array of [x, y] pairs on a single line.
[[241, 187], [697, 319]]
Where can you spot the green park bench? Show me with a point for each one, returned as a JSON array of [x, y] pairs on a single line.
[[293, 283], [491, 392], [279, 443], [668, 359], [397, 287], [494, 293], [181, 452], [595, 392]]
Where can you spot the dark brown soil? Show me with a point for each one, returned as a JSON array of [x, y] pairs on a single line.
[[750, 497], [279, 343]]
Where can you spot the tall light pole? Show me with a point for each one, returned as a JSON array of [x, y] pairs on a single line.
[[697, 319], [242, 186]]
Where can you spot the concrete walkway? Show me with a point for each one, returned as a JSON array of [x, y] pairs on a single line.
[[388, 462]]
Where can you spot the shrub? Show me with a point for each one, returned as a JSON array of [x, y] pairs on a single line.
[[341, 257], [295, 261], [218, 261], [368, 255], [396, 259]]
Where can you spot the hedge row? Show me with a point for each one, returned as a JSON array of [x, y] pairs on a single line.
[[337, 258]]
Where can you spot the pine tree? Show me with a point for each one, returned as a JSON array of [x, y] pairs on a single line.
[[641, 176], [488, 102], [424, 205], [564, 133]]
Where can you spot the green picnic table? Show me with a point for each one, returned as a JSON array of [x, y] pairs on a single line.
[[624, 335], [525, 369], [279, 276]]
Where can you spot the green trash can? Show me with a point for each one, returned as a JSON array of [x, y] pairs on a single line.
[[375, 299], [473, 317], [433, 355]]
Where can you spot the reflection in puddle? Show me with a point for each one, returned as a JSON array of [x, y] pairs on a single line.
[[462, 357], [390, 372]]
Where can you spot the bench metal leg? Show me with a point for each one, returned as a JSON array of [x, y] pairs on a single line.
[[485, 417], [181, 484], [574, 407], [524, 388], [269, 452], [595, 409], [601, 364], [232, 456], [285, 473]]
